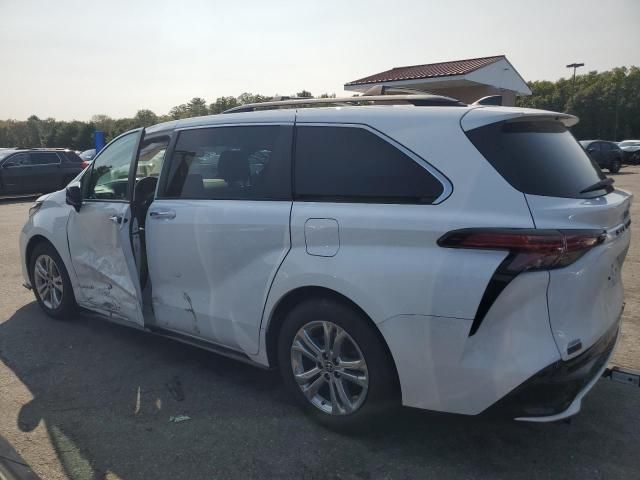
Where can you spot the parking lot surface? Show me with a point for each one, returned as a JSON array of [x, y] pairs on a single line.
[[85, 399]]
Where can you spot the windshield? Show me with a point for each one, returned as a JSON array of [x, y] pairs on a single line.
[[5, 153]]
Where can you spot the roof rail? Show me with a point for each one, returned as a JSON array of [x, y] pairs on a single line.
[[489, 100], [418, 100], [390, 90]]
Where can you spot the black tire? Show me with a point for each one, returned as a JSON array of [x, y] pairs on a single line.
[[67, 304], [382, 391], [615, 166]]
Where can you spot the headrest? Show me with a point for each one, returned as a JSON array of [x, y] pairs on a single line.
[[233, 166]]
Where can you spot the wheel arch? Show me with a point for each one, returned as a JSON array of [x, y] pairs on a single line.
[[301, 294], [31, 244]]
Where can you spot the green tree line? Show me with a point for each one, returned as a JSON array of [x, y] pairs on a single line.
[[608, 104], [77, 135]]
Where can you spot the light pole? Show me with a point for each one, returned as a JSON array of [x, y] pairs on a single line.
[[573, 83]]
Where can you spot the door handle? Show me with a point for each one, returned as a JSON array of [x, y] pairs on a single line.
[[168, 214], [119, 219]]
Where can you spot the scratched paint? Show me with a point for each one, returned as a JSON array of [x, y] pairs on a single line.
[[192, 311]]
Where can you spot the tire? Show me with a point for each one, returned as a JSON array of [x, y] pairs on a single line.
[[53, 292], [376, 372], [615, 166]]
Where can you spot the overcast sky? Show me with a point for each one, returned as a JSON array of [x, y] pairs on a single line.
[[71, 59]]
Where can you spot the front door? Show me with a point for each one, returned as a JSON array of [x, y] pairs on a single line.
[[98, 235], [18, 176], [219, 229]]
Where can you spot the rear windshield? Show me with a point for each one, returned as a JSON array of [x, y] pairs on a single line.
[[538, 157]]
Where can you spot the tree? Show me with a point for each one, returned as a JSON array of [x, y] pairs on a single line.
[[179, 111], [197, 107], [223, 103], [607, 103], [145, 118], [304, 94]]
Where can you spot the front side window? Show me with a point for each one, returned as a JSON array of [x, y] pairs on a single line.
[[109, 176], [44, 158], [18, 160], [355, 165], [230, 163]]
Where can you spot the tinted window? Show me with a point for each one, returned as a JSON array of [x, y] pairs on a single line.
[[538, 157], [20, 159], [110, 170], [44, 158], [251, 162], [72, 157], [353, 164]]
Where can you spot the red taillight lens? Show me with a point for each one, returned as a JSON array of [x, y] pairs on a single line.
[[529, 249]]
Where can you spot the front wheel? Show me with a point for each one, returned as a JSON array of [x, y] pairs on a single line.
[[50, 282], [334, 364]]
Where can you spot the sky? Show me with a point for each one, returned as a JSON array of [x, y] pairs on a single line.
[[72, 59]]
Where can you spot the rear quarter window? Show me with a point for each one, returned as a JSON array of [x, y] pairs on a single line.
[[72, 157], [352, 164], [538, 158]]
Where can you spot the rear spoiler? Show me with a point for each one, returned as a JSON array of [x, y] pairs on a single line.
[[485, 115]]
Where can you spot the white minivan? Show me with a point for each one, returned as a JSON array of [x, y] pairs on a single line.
[[376, 250]]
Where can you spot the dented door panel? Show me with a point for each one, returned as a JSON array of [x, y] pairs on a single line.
[[103, 261], [211, 264]]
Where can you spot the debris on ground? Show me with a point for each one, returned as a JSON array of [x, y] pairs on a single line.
[[179, 418]]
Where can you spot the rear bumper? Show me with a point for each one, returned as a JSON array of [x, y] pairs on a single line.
[[556, 392]]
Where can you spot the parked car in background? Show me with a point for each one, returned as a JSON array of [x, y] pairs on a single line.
[[88, 155], [40, 170], [606, 154], [630, 150]]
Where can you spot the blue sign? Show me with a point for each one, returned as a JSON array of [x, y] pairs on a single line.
[[99, 140]]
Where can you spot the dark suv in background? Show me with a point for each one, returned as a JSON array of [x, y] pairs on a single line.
[[605, 154], [41, 170]]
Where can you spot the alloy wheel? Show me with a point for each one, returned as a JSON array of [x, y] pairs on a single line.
[[48, 281], [329, 368]]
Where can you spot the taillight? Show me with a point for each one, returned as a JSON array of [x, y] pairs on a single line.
[[85, 164], [529, 249]]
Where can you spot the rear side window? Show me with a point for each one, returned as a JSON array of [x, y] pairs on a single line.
[[232, 163], [44, 158], [538, 158], [151, 157], [355, 165]]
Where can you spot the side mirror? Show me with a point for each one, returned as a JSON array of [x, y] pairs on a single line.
[[74, 196]]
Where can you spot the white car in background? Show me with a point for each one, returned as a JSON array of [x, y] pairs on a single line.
[[631, 150], [451, 257]]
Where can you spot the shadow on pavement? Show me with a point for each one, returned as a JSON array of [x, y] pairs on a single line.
[[12, 466], [106, 394]]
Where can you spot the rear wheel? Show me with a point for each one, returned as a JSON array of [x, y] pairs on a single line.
[[50, 281], [334, 364], [615, 166]]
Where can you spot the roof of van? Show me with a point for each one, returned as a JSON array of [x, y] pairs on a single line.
[[470, 116]]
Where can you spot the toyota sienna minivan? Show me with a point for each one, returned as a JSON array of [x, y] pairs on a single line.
[[381, 250]]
